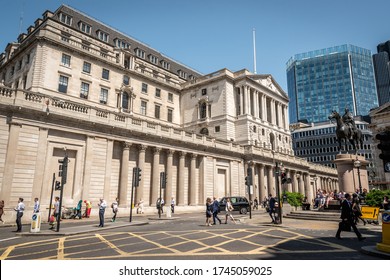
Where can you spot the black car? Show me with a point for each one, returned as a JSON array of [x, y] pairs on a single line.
[[239, 203]]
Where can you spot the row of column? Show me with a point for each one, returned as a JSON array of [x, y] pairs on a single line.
[[155, 178], [257, 104], [300, 181]]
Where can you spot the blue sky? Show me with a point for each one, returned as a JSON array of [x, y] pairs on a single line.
[[209, 35]]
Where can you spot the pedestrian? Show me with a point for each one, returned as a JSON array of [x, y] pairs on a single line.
[[162, 205], [114, 207], [88, 208], [271, 206], [256, 204], [36, 205], [57, 208], [215, 209], [140, 209], [347, 218], [1, 210], [172, 205], [229, 208], [385, 203], [102, 208], [19, 214], [78, 209], [209, 211], [52, 221], [356, 209]]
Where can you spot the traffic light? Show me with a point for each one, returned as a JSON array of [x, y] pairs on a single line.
[[57, 186], [284, 177], [63, 169], [137, 176], [163, 178], [384, 146], [248, 179]]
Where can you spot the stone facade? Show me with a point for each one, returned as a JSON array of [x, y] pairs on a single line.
[[111, 108]]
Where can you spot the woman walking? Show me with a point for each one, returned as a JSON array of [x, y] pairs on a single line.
[[209, 211], [229, 208]]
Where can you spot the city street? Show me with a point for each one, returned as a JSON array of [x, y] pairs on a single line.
[[185, 236]]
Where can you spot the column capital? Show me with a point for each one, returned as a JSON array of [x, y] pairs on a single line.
[[170, 152], [156, 150], [126, 145], [142, 147], [193, 156], [182, 154]]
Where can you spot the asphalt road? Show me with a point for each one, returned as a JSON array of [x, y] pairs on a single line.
[[186, 237]]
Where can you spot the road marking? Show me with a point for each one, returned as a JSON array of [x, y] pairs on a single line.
[[7, 252], [111, 245], [9, 238], [60, 250]]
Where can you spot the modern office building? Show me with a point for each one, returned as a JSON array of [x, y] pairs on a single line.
[[317, 142], [382, 72], [330, 79], [75, 86]]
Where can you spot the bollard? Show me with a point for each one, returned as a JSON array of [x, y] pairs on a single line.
[[385, 245]]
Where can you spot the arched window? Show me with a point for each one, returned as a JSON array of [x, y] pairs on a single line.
[[204, 131]]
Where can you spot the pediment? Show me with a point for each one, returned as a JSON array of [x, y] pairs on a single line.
[[385, 108], [268, 82]]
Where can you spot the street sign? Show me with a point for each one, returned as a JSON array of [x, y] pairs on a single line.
[[370, 213]]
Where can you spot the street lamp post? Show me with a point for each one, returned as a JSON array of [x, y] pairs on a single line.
[[357, 164], [277, 174]]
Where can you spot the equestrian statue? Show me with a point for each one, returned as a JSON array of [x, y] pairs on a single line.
[[346, 129]]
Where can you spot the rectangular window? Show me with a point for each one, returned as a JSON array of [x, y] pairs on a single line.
[[140, 53], [103, 95], [165, 65], [66, 19], [87, 67], [84, 90], [217, 128], [153, 59], [20, 64], [65, 61], [204, 91], [170, 97], [170, 115], [143, 107], [103, 36], [106, 74], [85, 28], [126, 80], [144, 88], [28, 59], [63, 84], [158, 93], [12, 71], [157, 111]]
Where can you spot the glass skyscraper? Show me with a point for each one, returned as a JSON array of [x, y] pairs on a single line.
[[382, 72], [330, 79]]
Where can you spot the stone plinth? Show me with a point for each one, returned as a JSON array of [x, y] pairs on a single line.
[[348, 174]]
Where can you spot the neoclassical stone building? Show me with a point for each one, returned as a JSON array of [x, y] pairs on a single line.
[[73, 84]]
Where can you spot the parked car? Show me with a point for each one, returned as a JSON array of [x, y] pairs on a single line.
[[240, 203]]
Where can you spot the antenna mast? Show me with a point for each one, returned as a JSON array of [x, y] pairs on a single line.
[[254, 51], [21, 19]]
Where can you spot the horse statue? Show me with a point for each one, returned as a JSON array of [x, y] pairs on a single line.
[[347, 132]]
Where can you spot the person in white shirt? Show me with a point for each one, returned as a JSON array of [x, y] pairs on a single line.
[[114, 207], [36, 205], [19, 214], [173, 205], [102, 208]]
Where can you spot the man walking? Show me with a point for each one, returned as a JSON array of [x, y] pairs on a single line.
[[271, 205], [347, 218], [19, 214], [216, 211], [102, 208]]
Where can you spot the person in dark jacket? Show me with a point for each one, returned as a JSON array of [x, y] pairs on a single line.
[[271, 205], [216, 211], [347, 218]]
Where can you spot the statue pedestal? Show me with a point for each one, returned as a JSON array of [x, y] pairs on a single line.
[[349, 175]]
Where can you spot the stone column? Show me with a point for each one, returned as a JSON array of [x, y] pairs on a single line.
[[308, 189], [289, 186], [124, 177], [193, 187], [180, 187], [89, 146], [262, 191], [155, 186], [264, 108], [273, 113], [168, 191], [301, 188], [241, 101], [256, 103], [294, 182], [139, 192], [271, 181], [107, 175]]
